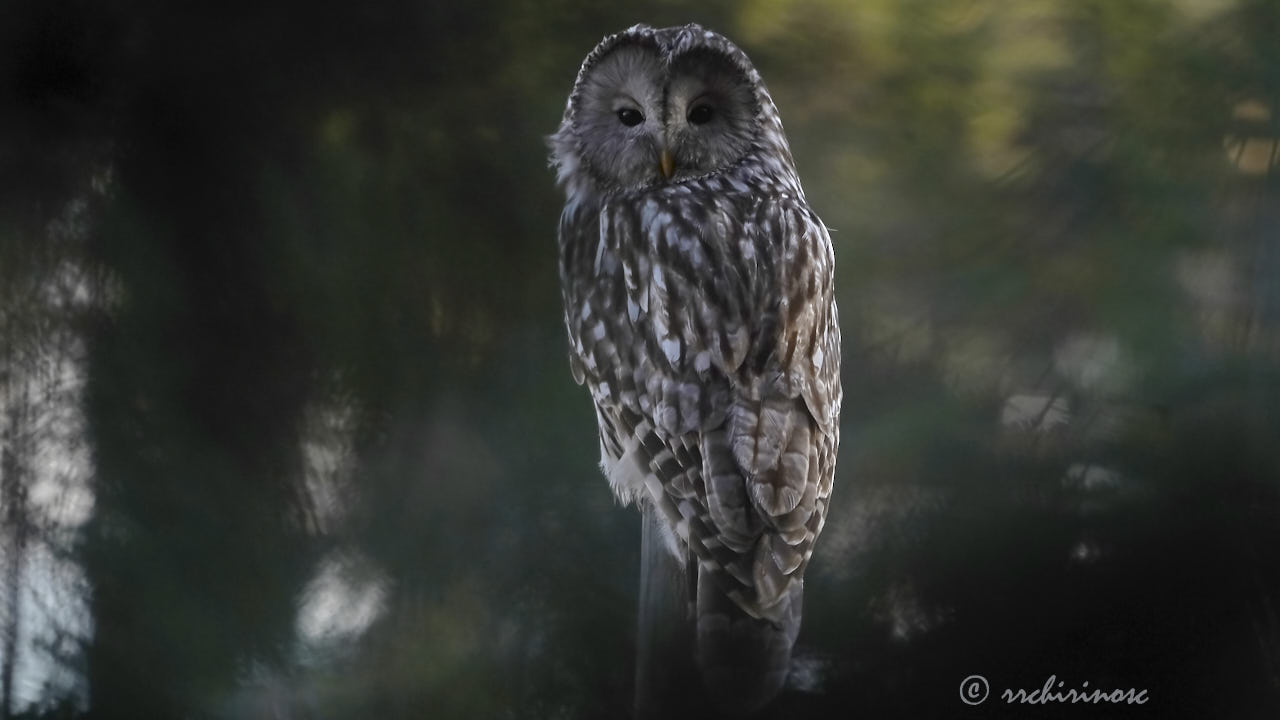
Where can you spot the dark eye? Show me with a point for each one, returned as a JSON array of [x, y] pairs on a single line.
[[630, 117], [701, 115]]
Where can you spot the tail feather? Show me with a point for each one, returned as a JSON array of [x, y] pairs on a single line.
[[698, 653], [743, 661]]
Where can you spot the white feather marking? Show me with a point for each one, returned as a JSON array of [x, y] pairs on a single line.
[[659, 280], [682, 529], [626, 477], [648, 213], [702, 361], [671, 348], [604, 232], [660, 329], [673, 542]]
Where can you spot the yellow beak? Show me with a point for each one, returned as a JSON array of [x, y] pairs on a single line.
[[666, 164]]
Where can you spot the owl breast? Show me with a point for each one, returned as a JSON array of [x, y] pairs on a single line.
[[700, 316], [672, 288]]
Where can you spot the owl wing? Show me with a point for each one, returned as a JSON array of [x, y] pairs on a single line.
[[709, 339], [772, 463]]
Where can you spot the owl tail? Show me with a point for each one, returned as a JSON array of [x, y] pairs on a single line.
[[744, 661], [694, 656]]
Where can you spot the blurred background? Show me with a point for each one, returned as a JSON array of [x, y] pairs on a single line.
[[288, 429]]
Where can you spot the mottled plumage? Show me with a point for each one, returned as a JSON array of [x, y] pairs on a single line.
[[698, 300]]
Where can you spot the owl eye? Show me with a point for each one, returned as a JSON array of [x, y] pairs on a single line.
[[701, 114], [630, 117]]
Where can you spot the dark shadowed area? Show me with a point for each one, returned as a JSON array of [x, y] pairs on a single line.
[[287, 428]]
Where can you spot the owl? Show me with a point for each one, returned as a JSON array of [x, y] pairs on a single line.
[[698, 299]]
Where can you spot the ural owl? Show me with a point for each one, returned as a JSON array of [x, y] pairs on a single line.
[[698, 299]]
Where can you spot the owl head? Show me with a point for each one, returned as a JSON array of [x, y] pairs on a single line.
[[660, 106]]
